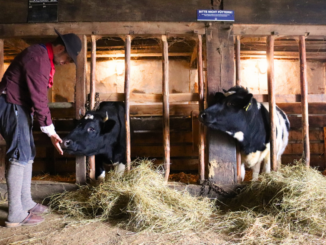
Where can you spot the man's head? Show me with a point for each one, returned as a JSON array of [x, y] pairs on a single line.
[[66, 48]]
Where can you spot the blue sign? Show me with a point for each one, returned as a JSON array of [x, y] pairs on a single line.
[[215, 15]]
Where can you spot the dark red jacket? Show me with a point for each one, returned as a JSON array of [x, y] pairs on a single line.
[[26, 82]]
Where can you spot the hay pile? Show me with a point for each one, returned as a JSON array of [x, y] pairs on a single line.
[[284, 207], [140, 199]]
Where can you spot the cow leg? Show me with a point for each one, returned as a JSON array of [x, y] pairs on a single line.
[[243, 171], [255, 171], [267, 164]]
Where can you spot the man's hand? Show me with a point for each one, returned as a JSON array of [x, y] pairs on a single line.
[[56, 140]]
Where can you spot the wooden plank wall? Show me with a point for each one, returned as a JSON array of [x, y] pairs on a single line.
[[277, 11], [105, 11]]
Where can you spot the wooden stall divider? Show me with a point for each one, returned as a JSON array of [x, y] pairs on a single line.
[[166, 109], [304, 100], [127, 98], [272, 104]]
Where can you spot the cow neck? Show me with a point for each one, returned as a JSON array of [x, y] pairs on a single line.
[[51, 56]]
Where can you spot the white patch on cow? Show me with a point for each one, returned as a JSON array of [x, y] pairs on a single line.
[[101, 177], [258, 106], [229, 93], [119, 168], [228, 132], [89, 116], [239, 136]]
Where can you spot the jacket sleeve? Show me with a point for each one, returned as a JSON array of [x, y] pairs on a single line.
[[37, 76]]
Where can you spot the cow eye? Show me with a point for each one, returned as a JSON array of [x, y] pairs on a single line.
[[90, 130]]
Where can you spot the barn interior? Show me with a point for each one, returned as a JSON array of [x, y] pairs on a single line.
[[146, 107], [146, 87]]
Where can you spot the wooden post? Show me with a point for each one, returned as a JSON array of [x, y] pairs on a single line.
[[271, 99], [2, 147], [166, 109], [91, 159], [304, 100], [222, 163], [237, 72], [201, 147], [80, 101], [127, 98], [237, 60]]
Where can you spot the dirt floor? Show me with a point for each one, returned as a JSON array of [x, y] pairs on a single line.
[[58, 229]]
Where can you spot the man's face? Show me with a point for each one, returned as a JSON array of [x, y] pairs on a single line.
[[62, 58]]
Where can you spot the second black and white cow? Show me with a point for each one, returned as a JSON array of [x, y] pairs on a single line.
[[238, 114], [101, 133]]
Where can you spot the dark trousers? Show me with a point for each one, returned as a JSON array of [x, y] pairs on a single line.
[[16, 124]]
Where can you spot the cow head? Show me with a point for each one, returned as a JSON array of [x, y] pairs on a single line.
[[90, 135], [230, 111]]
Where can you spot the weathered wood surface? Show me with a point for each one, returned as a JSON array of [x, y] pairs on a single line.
[[201, 129], [80, 98], [278, 11], [127, 97], [271, 100], [304, 102], [166, 106], [222, 167], [102, 28], [279, 30]]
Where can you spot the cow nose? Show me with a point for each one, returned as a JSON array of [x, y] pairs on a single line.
[[67, 143]]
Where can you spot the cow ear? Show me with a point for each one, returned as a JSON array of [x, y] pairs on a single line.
[[108, 126], [219, 96], [247, 102]]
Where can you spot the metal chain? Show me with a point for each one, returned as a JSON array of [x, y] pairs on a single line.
[[217, 190]]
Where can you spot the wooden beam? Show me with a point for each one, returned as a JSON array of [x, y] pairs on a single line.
[[282, 54], [154, 98], [115, 54], [166, 109], [201, 147], [272, 103], [80, 101], [16, 44], [291, 98], [91, 159], [279, 30], [127, 98], [222, 165], [304, 102], [102, 28]]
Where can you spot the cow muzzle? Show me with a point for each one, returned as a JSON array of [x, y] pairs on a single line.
[[66, 143]]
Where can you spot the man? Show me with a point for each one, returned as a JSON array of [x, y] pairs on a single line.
[[23, 93]]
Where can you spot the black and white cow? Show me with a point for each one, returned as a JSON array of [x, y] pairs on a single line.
[[101, 133], [238, 114]]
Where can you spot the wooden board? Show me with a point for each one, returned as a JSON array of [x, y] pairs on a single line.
[[222, 167], [277, 11], [102, 28]]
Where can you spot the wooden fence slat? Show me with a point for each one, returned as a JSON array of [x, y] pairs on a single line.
[[80, 101], [127, 98], [304, 102], [166, 109], [272, 102]]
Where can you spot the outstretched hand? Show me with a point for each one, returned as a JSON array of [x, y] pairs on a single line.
[[56, 140]]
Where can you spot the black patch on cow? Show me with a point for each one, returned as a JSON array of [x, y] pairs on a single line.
[[238, 111], [100, 137]]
